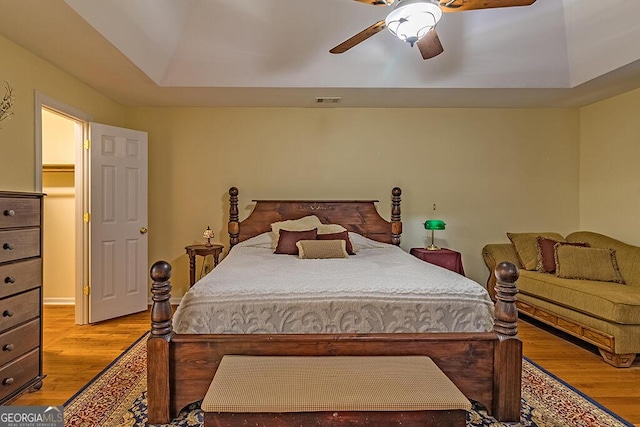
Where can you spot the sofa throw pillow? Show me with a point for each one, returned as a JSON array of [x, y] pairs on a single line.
[[576, 262], [339, 236], [525, 246], [287, 240], [546, 257], [321, 249], [308, 222]]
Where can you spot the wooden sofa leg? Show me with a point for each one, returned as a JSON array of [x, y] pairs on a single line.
[[618, 360]]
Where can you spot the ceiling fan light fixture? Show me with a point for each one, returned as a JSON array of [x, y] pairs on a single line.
[[411, 20]]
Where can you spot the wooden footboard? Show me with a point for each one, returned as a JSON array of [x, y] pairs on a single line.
[[486, 367]]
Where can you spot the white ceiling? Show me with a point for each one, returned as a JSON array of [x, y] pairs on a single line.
[[275, 52]]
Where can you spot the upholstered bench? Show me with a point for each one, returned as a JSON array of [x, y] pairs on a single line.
[[332, 391]]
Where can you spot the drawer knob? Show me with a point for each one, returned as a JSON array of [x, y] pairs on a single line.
[[9, 279], [8, 246], [7, 313], [8, 347], [7, 381], [9, 212]]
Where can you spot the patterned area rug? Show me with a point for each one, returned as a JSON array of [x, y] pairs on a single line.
[[117, 397]]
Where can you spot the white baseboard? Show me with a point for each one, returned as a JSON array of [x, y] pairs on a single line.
[[59, 301]]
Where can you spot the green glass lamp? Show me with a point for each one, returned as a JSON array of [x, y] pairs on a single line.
[[433, 224]]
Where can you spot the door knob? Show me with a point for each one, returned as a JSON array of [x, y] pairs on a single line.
[[143, 230], [8, 246], [9, 212]]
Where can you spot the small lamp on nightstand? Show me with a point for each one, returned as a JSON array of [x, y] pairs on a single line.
[[433, 224], [208, 234]]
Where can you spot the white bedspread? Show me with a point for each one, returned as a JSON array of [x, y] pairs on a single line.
[[380, 289]]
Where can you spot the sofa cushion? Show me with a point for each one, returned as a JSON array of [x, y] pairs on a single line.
[[604, 300], [628, 256], [575, 262], [546, 253], [525, 244]]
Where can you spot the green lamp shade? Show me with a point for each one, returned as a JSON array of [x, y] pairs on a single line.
[[434, 224]]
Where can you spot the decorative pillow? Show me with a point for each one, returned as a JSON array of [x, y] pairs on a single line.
[[525, 246], [338, 236], [322, 249], [575, 262], [330, 228], [546, 258], [288, 239], [303, 224]]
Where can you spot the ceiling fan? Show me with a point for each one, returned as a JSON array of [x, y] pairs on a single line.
[[414, 21]]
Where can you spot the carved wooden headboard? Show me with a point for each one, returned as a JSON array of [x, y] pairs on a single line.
[[360, 216]]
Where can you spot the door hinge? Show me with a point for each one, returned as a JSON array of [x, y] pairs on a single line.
[[87, 144], [87, 290], [86, 217]]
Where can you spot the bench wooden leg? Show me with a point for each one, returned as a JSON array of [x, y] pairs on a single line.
[[618, 360]]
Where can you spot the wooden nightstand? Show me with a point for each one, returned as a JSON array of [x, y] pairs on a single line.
[[446, 258], [203, 251]]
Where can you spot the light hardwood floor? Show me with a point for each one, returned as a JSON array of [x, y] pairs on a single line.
[[73, 355]]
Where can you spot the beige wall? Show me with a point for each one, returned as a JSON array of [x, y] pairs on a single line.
[[609, 171], [27, 73], [489, 171]]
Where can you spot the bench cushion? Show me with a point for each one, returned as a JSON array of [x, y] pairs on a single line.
[[336, 383]]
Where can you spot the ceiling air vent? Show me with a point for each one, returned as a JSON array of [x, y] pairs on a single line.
[[328, 99]]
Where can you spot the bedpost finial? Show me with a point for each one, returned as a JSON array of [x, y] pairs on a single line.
[[396, 191], [506, 311], [507, 272], [233, 191], [160, 271]]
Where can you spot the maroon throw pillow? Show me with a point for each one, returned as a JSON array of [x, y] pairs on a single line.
[[344, 235], [546, 258], [288, 239]]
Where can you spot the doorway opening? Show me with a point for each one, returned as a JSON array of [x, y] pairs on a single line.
[[60, 173], [58, 183]]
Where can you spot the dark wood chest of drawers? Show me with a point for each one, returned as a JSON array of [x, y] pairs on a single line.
[[20, 293]]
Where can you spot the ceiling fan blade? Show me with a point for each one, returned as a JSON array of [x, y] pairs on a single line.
[[430, 45], [360, 37], [460, 5], [377, 2]]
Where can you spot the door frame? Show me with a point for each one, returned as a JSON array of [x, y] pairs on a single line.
[[81, 245]]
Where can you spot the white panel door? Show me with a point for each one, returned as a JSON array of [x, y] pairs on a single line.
[[117, 228]]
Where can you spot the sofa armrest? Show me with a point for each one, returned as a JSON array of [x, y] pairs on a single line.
[[493, 254]]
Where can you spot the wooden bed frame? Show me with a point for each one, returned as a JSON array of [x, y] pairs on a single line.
[[486, 367]]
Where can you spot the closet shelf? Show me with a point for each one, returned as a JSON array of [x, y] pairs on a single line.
[[58, 168]]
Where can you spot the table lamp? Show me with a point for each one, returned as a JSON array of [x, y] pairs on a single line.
[[433, 224], [208, 234]]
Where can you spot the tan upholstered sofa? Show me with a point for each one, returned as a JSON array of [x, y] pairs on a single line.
[[603, 313]]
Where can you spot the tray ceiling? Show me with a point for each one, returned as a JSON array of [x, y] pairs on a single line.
[[275, 52]]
